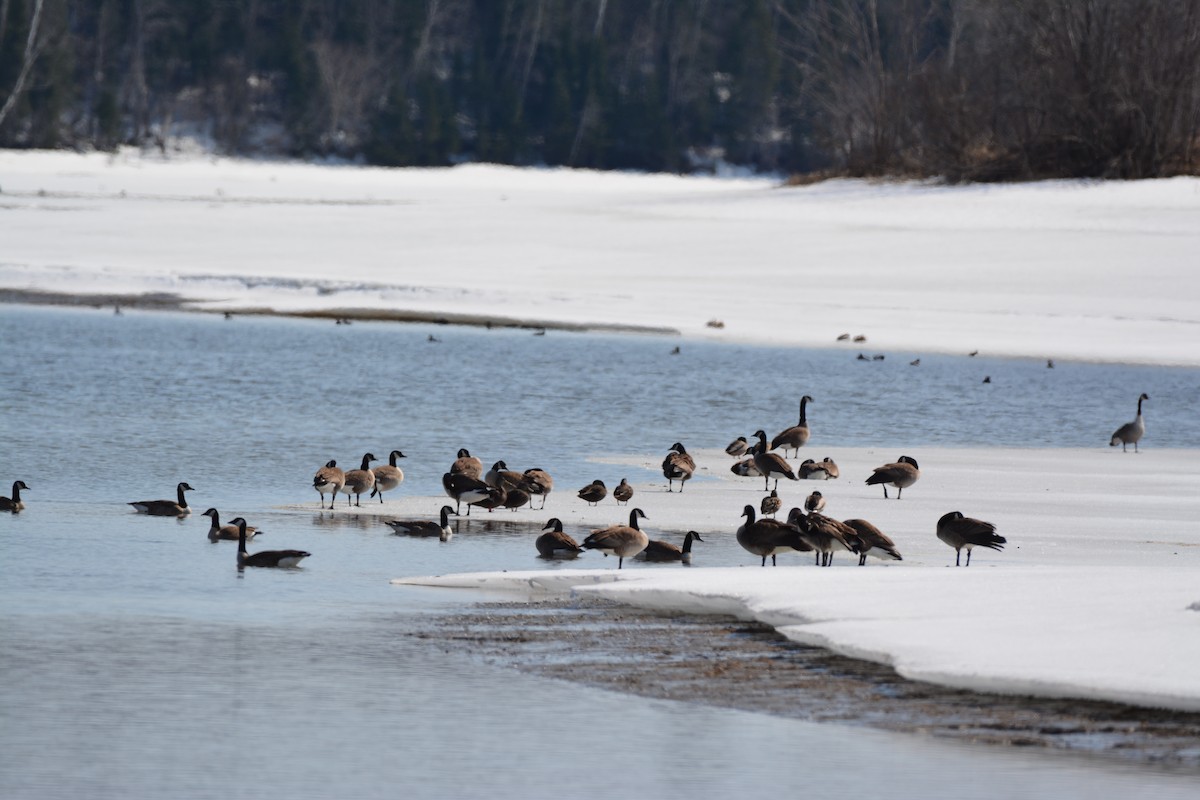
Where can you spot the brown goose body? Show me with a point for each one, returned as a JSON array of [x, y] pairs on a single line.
[[622, 541], [554, 543], [810, 470], [360, 481], [901, 474], [623, 492], [968, 533], [14, 504], [388, 476], [425, 527], [678, 466], [502, 477], [771, 466], [465, 489], [594, 492], [814, 502], [737, 447], [166, 508], [769, 537], [538, 483], [467, 464], [658, 550], [795, 437], [329, 480], [231, 532], [1131, 432], [770, 504], [872, 541], [264, 558], [824, 535]]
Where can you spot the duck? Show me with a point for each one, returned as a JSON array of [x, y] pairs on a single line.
[[770, 465], [388, 476], [554, 543], [14, 504], [264, 558], [873, 541], [467, 464], [814, 502], [796, 436], [658, 550], [538, 483], [737, 447], [770, 504], [1131, 432], [903, 473], [424, 527], [678, 466], [769, 537], [462, 488], [167, 508], [824, 535], [230, 532], [623, 492], [594, 492], [958, 531], [329, 480], [622, 541], [360, 481]]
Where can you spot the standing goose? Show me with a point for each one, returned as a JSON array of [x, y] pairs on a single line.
[[388, 476], [770, 504], [14, 503], [538, 483], [958, 531], [814, 502], [360, 481], [902, 474], [1131, 432], [554, 543], [770, 465], [424, 527], [467, 464], [622, 541], [658, 550], [516, 497], [623, 493], [167, 508], [329, 480], [796, 436], [873, 541], [502, 477], [264, 558], [463, 488], [737, 447], [230, 532], [678, 466], [769, 537], [594, 492], [825, 535]]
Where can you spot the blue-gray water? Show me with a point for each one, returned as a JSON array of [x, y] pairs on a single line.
[[135, 662]]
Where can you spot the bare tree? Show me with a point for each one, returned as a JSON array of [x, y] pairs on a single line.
[[32, 47]]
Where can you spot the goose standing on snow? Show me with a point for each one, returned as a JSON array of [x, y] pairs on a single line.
[[467, 464], [958, 531], [230, 532], [14, 503], [166, 508], [770, 465], [264, 558], [554, 543], [737, 447], [873, 541], [901, 474], [360, 481], [770, 504], [623, 493], [1131, 432], [769, 537], [388, 476], [796, 436], [678, 466], [538, 483], [329, 480], [424, 527], [594, 492], [824, 535], [622, 541], [658, 550], [462, 488], [502, 477]]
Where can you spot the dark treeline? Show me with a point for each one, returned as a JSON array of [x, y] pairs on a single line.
[[965, 89]]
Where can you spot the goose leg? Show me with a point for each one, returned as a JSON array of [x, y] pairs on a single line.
[[968, 558], [764, 563], [958, 555], [862, 559], [899, 489], [620, 561]]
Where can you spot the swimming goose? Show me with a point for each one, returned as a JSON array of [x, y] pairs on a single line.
[[873, 541], [796, 436], [770, 465], [1131, 432], [621, 541], [658, 550], [814, 502], [594, 492], [467, 464], [678, 466], [902, 474], [538, 483], [824, 535], [388, 476], [463, 488], [623, 493], [555, 543], [769, 537], [958, 531], [216, 531], [737, 447], [502, 477], [14, 503], [166, 508], [360, 481], [264, 558], [424, 527], [329, 480]]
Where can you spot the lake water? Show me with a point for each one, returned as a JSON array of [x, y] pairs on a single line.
[[136, 662]]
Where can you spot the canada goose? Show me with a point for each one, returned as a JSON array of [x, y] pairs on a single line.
[[621, 541], [1049, 363], [1131, 432], [843, 337], [916, 362], [902, 474], [388, 476], [770, 465], [14, 503], [770, 504], [166, 508], [987, 378], [623, 492], [958, 531], [496, 497], [737, 447], [678, 466], [538, 483], [860, 338], [467, 464], [831, 468], [658, 550], [824, 535], [515, 497], [424, 527], [873, 541], [360, 481], [555, 543], [745, 468], [769, 537], [814, 502], [465, 489], [796, 436], [264, 558], [502, 477], [329, 480], [216, 531], [594, 492], [811, 470]]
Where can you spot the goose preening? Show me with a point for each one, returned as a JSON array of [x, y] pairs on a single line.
[[622, 541], [167, 508], [360, 481], [796, 436], [329, 480], [388, 476], [831, 468], [230, 532], [770, 465], [1131, 432], [658, 550], [770, 504], [745, 468], [814, 502], [958, 531], [677, 466], [538, 483], [556, 544], [515, 497], [594, 492], [769, 537], [467, 464], [872, 541], [823, 534], [14, 503], [623, 492], [463, 488], [737, 447], [901, 474], [264, 558], [424, 527], [502, 477], [810, 470]]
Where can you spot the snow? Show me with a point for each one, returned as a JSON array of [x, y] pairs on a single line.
[[1097, 591]]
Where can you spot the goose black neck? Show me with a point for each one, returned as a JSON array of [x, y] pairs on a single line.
[[803, 413], [633, 520], [1139, 407], [16, 496], [366, 463], [182, 500], [687, 543], [242, 537]]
